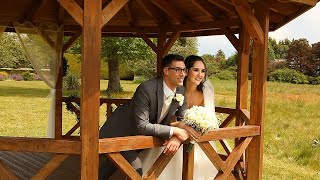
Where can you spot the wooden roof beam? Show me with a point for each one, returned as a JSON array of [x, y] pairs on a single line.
[[32, 10], [170, 10], [232, 38], [60, 18], [67, 45], [129, 14], [111, 10], [224, 6], [73, 9], [172, 39], [249, 20], [205, 7], [149, 42], [153, 11], [307, 2]]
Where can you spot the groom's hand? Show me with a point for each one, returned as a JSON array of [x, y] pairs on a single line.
[[171, 146], [181, 134]]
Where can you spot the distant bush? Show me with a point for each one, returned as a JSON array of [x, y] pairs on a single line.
[[74, 62], [37, 78], [144, 69], [27, 76], [71, 82], [314, 80], [16, 77], [2, 77], [226, 75], [288, 75], [4, 74]]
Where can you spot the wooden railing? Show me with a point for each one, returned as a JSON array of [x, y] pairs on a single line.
[[230, 165]]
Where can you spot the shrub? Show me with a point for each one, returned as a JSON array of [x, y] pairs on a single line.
[[144, 69], [226, 75], [71, 82], [37, 78], [288, 75], [314, 80], [16, 77], [2, 77], [27, 76], [4, 74]]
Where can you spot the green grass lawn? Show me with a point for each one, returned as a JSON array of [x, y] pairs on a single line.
[[292, 123]]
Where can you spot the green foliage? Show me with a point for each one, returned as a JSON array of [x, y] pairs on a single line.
[[146, 68], [71, 82], [299, 56], [288, 75], [231, 61], [27, 76], [220, 56], [314, 80], [11, 53], [271, 54], [185, 46], [226, 75]]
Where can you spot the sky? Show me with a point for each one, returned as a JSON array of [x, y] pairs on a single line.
[[306, 26]]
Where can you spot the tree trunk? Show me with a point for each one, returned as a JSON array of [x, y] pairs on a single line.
[[114, 75]]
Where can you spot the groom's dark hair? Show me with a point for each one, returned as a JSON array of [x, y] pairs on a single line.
[[167, 60]]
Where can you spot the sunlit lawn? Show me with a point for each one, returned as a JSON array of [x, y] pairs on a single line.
[[292, 124]]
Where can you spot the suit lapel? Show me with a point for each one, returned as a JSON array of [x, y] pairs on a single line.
[[159, 97]]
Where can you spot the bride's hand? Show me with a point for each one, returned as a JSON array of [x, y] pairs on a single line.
[[172, 145], [194, 135], [180, 133]]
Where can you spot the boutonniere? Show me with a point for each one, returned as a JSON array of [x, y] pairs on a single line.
[[179, 98]]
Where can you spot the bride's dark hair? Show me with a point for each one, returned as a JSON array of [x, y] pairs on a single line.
[[189, 62]]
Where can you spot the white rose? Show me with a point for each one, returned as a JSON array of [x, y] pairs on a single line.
[[180, 99]]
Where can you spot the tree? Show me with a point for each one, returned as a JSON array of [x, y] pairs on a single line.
[[185, 46], [220, 56], [11, 53], [314, 65], [299, 55], [116, 49]]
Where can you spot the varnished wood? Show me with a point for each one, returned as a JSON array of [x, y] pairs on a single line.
[[158, 16], [6, 173], [170, 42], [158, 166], [160, 44], [40, 145], [90, 89], [129, 14], [117, 144], [206, 8], [249, 20], [224, 6], [188, 163], [228, 120], [50, 166], [232, 38], [73, 9], [170, 10], [307, 2], [67, 45], [213, 156], [149, 42], [231, 132], [258, 96], [124, 165], [112, 9]]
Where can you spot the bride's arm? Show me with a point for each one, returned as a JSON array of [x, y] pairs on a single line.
[[192, 132]]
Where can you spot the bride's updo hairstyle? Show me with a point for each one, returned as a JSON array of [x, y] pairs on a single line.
[[189, 62]]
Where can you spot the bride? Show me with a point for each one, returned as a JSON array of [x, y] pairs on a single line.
[[199, 92]]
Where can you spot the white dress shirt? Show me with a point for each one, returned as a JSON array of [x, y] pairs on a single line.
[[165, 107]]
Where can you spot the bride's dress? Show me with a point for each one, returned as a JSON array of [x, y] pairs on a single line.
[[203, 168]]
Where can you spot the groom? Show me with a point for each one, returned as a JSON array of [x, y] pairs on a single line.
[[150, 112]]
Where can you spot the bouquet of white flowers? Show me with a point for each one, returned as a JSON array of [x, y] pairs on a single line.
[[201, 119]]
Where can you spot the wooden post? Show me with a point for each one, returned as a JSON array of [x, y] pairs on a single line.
[[58, 100], [188, 163], [90, 89], [160, 45], [258, 94]]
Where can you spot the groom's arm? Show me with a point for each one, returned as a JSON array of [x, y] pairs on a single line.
[[142, 100]]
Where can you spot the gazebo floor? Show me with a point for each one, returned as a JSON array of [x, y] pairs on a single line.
[[26, 164]]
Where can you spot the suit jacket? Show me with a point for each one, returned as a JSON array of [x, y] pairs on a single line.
[[141, 114]]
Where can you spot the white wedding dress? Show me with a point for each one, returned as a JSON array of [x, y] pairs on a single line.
[[203, 168]]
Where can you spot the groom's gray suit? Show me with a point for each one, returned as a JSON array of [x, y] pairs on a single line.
[[141, 117]]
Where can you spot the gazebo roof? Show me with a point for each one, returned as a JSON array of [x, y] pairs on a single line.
[[190, 17]]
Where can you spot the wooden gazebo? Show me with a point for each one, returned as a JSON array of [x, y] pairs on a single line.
[[165, 20]]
